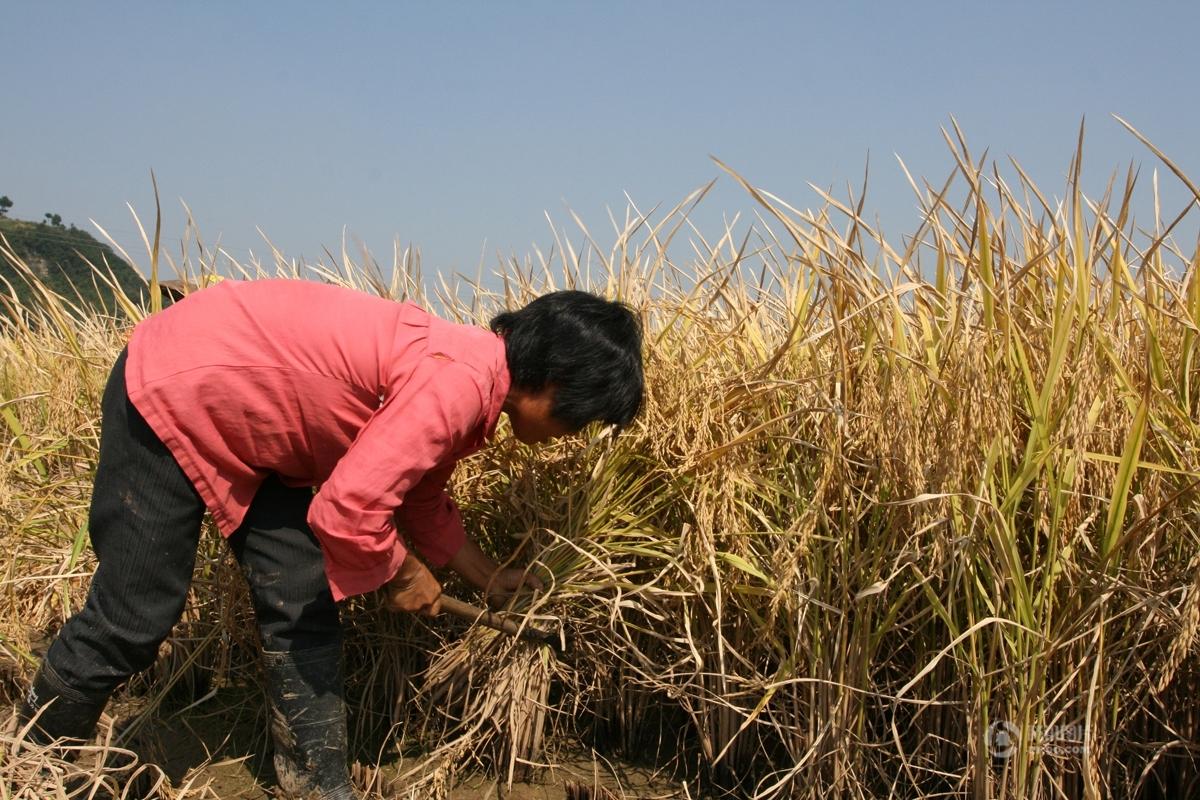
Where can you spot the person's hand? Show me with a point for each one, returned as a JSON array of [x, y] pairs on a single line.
[[414, 589], [507, 582]]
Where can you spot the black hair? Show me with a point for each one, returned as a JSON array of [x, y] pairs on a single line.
[[588, 347]]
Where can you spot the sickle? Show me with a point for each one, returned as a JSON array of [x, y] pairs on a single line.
[[497, 622]]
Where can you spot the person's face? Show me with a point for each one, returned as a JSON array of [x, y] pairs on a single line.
[[530, 417]]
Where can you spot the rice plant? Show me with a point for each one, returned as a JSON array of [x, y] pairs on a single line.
[[911, 518]]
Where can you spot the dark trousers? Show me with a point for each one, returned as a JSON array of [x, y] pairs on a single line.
[[145, 526]]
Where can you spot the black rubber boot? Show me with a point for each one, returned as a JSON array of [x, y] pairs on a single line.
[[59, 711], [308, 723]]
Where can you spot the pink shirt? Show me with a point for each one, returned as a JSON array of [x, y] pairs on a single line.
[[370, 399]]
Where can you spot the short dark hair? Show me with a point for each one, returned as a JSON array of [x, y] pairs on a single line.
[[588, 347]]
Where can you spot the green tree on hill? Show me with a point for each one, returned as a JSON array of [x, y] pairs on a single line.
[[5, 205]]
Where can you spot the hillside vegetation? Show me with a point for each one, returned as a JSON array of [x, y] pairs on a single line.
[[63, 258]]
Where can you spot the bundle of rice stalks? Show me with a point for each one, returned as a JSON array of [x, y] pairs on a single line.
[[494, 693]]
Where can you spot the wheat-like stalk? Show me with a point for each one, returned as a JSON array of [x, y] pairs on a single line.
[[885, 493]]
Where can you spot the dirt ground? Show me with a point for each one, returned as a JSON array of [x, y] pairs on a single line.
[[223, 744]]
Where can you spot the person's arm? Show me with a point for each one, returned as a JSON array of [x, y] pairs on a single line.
[[413, 589], [481, 570], [433, 525], [430, 518], [412, 432]]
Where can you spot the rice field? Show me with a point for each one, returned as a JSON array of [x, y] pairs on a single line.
[[903, 517]]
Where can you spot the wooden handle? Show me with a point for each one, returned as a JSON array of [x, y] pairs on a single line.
[[492, 620]]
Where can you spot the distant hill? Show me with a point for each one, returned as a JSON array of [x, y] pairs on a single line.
[[57, 254]]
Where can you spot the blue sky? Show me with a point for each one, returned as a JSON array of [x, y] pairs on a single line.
[[449, 125]]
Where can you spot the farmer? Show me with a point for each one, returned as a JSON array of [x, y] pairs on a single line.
[[242, 399]]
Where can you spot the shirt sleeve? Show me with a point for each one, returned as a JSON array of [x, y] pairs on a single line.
[[413, 431], [431, 519]]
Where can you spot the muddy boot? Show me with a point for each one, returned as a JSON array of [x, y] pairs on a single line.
[[59, 711], [308, 723]]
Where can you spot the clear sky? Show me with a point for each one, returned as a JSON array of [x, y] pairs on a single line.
[[455, 124]]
